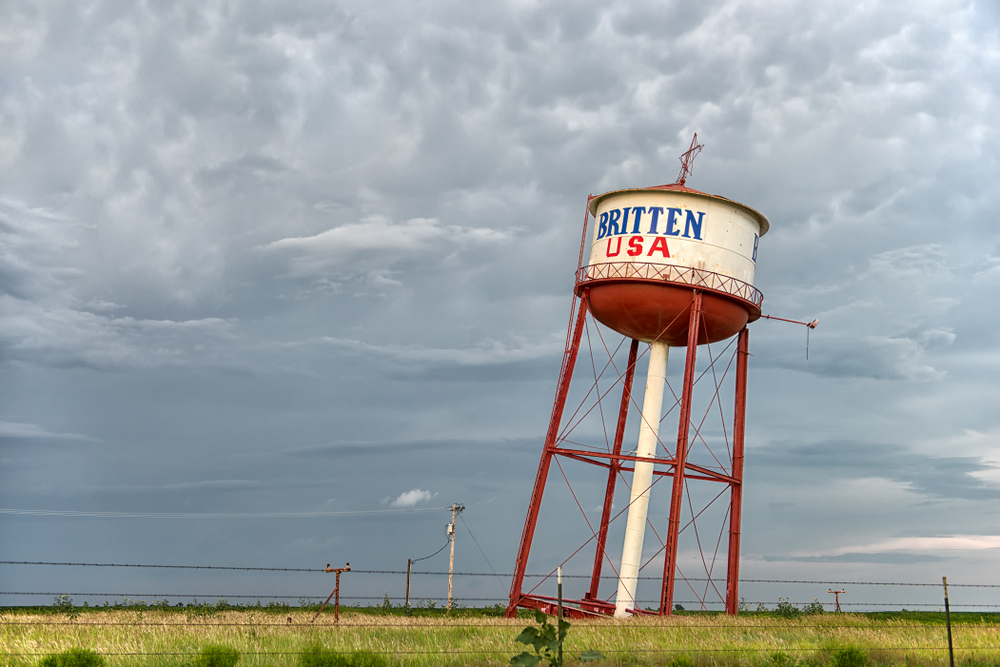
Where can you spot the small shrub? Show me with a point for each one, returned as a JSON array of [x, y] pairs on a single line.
[[814, 607], [63, 604], [217, 656], [74, 657], [547, 641], [786, 609], [680, 661], [849, 657]]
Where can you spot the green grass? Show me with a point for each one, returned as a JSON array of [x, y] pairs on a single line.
[[177, 637]]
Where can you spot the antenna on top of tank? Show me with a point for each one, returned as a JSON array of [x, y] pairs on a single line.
[[687, 159]]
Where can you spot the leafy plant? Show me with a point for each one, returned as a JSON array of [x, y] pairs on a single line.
[[214, 655], [63, 604], [814, 607], [74, 657], [680, 661], [546, 640], [786, 609], [849, 657], [197, 610]]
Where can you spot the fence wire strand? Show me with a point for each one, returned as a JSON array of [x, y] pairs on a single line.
[[823, 582]]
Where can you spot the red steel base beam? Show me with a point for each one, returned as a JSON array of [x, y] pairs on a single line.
[[591, 604], [566, 373], [613, 472], [736, 486], [683, 429]]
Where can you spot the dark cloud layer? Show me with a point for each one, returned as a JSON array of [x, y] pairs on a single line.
[[928, 476], [308, 257]]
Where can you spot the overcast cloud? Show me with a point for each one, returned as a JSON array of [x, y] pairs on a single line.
[[318, 257]]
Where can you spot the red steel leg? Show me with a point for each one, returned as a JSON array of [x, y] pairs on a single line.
[[736, 498], [609, 494], [680, 458], [565, 374]]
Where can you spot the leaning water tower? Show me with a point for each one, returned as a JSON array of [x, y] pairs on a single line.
[[669, 266]]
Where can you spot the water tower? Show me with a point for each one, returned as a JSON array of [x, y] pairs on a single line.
[[669, 266]]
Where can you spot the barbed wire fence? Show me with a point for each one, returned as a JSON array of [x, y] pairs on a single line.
[[66, 617], [304, 598]]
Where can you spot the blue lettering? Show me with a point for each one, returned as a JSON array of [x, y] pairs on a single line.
[[638, 210], [616, 214], [625, 219], [691, 224], [755, 239], [602, 228], [654, 211], [672, 220]]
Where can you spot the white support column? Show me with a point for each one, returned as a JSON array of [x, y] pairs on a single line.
[[642, 479]]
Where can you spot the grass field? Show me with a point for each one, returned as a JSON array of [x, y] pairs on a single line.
[[155, 636]]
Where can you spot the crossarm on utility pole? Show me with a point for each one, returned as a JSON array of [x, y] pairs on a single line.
[[336, 591]]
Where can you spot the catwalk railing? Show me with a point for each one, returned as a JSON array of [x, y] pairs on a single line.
[[671, 273]]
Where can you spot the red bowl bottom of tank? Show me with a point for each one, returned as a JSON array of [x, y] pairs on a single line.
[[652, 310]]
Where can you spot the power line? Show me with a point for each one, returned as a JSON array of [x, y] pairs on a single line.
[[214, 596], [220, 596], [483, 553], [211, 515], [169, 567], [413, 560]]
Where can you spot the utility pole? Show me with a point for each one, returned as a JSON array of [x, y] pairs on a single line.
[[455, 511], [947, 618], [559, 616], [409, 564], [836, 597], [336, 591]]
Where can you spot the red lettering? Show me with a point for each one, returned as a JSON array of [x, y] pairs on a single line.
[[618, 248], [659, 244], [635, 246]]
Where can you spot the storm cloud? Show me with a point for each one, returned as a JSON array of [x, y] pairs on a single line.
[[310, 256]]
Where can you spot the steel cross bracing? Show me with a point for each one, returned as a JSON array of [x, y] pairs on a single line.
[[721, 468]]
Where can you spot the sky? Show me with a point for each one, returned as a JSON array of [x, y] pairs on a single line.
[[318, 257]]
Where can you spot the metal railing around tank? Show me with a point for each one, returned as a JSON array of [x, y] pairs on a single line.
[[671, 273]]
